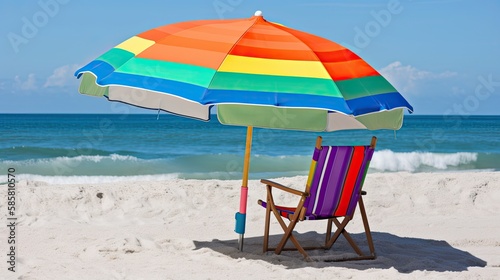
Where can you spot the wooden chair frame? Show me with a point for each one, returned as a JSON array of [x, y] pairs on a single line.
[[299, 214]]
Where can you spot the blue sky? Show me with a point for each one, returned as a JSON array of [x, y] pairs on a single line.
[[443, 56]]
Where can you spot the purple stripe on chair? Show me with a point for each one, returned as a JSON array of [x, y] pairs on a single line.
[[316, 154], [328, 183], [334, 180], [309, 203], [324, 176]]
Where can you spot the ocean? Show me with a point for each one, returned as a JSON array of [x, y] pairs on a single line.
[[85, 148]]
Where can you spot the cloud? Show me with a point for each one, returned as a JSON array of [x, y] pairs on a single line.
[[407, 78], [62, 76], [28, 84]]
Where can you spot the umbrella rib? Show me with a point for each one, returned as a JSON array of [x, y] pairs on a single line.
[[232, 47], [283, 28], [347, 104]]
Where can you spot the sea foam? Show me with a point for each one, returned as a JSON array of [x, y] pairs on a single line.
[[70, 180], [387, 160]]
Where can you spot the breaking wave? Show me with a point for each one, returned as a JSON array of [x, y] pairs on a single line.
[[387, 160]]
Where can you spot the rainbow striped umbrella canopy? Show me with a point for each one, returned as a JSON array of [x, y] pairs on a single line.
[[290, 79], [258, 73]]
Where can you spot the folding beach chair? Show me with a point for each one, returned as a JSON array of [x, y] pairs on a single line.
[[333, 191]]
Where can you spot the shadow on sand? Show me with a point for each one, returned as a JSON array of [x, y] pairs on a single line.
[[403, 253]]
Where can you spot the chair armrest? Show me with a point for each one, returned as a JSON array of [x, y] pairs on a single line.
[[283, 188]]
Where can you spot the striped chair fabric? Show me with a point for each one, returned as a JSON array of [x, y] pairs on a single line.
[[333, 191], [337, 182]]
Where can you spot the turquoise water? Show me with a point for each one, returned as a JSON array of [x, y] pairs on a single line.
[[105, 147]]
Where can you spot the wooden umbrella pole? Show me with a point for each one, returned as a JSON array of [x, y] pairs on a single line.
[[241, 215], [246, 163]]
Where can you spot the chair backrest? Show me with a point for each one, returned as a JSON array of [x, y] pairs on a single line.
[[338, 174]]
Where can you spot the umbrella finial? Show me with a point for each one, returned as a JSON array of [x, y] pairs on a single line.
[[258, 13]]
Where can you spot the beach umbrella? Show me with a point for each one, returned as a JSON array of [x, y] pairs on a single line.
[[258, 73]]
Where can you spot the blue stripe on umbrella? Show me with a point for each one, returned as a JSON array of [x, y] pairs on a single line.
[[356, 107], [375, 103]]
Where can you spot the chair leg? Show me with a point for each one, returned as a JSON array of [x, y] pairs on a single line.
[[287, 229], [288, 233], [349, 239], [340, 229], [266, 230], [328, 231], [367, 227]]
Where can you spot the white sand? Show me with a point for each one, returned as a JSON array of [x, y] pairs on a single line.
[[426, 225]]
